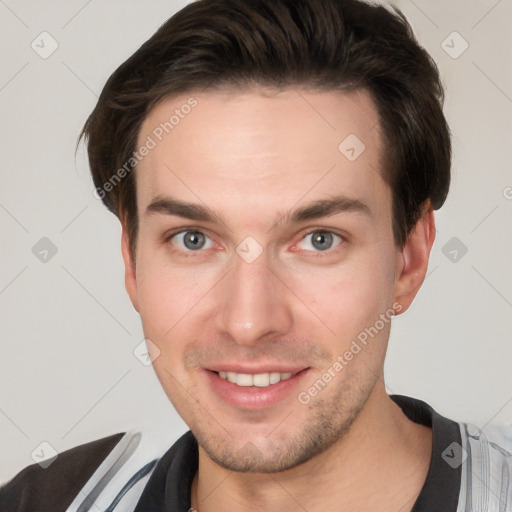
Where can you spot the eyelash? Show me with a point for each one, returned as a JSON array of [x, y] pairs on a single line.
[[188, 253]]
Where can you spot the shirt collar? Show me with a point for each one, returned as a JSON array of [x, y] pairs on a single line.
[[442, 485], [170, 484]]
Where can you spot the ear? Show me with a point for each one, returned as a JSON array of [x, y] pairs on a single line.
[[130, 275], [412, 261]]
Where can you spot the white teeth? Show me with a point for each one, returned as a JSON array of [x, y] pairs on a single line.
[[261, 380], [243, 379], [275, 377]]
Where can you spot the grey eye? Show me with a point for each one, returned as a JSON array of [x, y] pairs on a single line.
[[321, 240], [191, 241]]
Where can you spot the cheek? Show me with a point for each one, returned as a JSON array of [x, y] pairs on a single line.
[[351, 297], [168, 302], [167, 293]]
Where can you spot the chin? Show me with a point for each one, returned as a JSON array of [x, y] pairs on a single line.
[[275, 452]]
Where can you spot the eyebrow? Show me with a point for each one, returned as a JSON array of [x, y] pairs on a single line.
[[313, 210]]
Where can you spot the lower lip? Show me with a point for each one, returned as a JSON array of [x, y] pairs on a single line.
[[253, 397]]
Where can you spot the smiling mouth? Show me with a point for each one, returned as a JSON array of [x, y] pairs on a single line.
[[257, 390]]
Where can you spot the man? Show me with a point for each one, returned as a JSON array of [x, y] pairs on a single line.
[[275, 166]]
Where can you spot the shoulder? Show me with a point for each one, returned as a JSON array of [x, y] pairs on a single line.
[[493, 444], [54, 488], [487, 457]]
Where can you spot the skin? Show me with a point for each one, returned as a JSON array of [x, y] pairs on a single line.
[[250, 156]]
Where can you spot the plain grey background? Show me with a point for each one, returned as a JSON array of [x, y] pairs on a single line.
[[68, 331]]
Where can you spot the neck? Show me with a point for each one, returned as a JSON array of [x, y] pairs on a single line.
[[379, 464]]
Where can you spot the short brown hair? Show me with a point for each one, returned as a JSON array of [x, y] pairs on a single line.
[[318, 44]]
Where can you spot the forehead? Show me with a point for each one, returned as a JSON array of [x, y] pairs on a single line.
[[247, 147]]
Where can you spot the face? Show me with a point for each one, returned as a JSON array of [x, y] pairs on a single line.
[[265, 248]]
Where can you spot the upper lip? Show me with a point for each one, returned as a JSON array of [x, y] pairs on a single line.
[[256, 369]]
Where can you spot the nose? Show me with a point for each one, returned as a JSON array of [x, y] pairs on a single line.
[[253, 303]]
